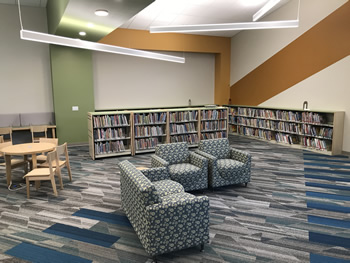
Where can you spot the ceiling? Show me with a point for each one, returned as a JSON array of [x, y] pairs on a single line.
[[141, 14]]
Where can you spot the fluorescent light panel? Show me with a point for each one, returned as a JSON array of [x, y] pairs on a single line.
[[225, 27], [77, 43], [267, 7]]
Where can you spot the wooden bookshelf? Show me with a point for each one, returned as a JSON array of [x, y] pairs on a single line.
[[184, 126], [213, 123], [143, 130], [110, 134], [319, 131], [150, 129]]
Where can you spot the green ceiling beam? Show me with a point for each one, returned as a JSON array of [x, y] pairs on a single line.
[[55, 10]]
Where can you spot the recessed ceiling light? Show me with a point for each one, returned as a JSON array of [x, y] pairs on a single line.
[[101, 12], [82, 33]]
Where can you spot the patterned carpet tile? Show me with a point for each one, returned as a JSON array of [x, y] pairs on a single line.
[[295, 209]]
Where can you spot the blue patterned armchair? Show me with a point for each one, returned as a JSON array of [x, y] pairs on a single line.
[[227, 166], [164, 217], [184, 167]]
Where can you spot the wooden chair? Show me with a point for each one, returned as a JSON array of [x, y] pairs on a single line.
[[63, 159], [6, 131], [42, 130], [1, 138], [42, 157], [45, 174], [14, 162]]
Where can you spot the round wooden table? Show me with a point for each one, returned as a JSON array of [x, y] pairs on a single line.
[[24, 149]]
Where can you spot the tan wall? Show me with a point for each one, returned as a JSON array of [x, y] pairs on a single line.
[[220, 46], [321, 46]]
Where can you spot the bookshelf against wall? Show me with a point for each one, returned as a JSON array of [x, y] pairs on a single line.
[[319, 131], [150, 129], [213, 123], [109, 134], [183, 126]]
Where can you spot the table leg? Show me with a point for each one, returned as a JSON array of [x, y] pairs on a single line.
[[34, 162], [8, 169]]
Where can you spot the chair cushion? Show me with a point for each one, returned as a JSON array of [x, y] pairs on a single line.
[[173, 152], [219, 148], [185, 173], [179, 197], [228, 168], [168, 187]]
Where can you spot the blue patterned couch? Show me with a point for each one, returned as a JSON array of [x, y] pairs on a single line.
[[164, 217], [227, 166], [185, 167]]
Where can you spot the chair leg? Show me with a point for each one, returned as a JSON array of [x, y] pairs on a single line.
[[28, 190], [154, 258], [246, 184], [60, 178], [202, 247], [53, 183], [69, 171]]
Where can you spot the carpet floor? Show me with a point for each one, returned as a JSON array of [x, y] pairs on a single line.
[[295, 209]]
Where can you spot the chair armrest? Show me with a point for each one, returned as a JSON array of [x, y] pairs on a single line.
[[198, 160], [156, 161], [156, 174], [183, 219], [241, 156]]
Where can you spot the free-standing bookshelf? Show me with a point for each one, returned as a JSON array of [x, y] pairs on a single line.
[[150, 129], [110, 134], [125, 132], [213, 123], [183, 126], [319, 131]]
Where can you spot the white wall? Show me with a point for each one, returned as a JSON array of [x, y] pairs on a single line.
[[127, 82], [326, 90], [251, 48], [25, 75]]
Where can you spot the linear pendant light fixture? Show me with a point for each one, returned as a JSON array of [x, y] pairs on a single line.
[[232, 26], [77, 43], [83, 44]]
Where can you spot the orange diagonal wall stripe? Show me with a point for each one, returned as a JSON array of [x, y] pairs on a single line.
[[220, 46], [321, 46]]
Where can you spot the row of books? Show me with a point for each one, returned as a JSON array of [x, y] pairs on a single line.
[[308, 117], [109, 147], [150, 118], [213, 135], [110, 120], [297, 128], [213, 125], [286, 138], [262, 134], [190, 138], [315, 143], [109, 133], [183, 116], [182, 128], [142, 131], [144, 144], [213, 114]]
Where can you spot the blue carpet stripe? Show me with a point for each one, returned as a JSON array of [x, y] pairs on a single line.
[[329, 240], [83, 235], [306, 158], [314, 258], [313, 170], [328, 186], [39, 254], [327, 165], [328, 196], [329, 221], [325, 156], [329, 178], [102, 216], [328, 207]]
